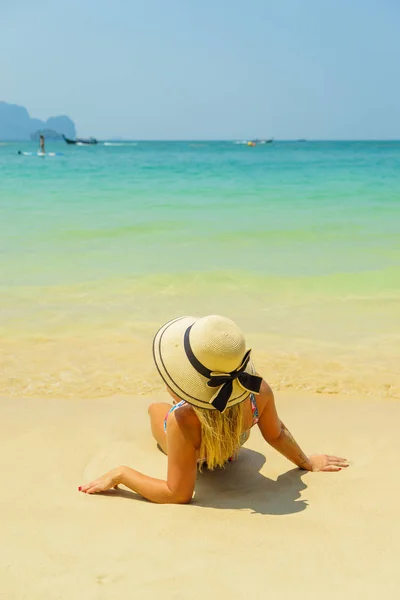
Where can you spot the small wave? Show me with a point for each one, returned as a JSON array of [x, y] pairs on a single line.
[[99, 363], [120, 144]]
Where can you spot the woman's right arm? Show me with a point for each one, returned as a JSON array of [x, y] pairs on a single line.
[[276, 433], [279, 437]]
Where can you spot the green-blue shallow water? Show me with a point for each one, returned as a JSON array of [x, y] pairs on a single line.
[[299, 242]]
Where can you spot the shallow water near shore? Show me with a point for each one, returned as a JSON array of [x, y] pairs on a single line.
[[299, 243]]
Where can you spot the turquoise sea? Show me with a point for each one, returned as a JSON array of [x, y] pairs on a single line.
[[297, 241]]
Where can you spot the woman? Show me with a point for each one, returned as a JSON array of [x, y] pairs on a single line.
[[41, 144], [218, 397]]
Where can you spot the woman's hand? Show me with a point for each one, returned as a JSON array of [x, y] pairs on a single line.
[[102, 484], [325, 462]]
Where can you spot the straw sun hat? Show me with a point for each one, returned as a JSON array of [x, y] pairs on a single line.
[[204, 361]]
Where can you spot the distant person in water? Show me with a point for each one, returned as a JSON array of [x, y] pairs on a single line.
[[41, 143], [218, 397]]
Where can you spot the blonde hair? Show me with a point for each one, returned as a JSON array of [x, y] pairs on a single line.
[[220, 434]]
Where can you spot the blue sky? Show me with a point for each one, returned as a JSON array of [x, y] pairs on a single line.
[[206, 69]]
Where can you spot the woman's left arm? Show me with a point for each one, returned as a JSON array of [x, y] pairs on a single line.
[[155, 490], [181, 478]]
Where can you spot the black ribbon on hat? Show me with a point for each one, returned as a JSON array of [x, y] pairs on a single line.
[[224, 381]]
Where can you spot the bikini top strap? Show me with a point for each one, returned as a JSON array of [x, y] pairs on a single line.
[[177, 405], [254, 408]]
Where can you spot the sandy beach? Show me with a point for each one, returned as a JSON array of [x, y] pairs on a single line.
[[162, 160], [259, 528]]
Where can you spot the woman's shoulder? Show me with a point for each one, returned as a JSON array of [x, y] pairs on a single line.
[[266, 394], [185, 414], [266, 389], [185, 419]]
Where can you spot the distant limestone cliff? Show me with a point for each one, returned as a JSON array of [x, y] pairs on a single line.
[[16, 124]]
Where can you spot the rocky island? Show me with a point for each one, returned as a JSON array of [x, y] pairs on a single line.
[[17, 125]]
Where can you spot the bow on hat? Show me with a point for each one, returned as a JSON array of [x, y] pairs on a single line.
[[224, 381]]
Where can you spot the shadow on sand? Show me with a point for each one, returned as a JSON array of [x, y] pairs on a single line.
[[241, 486]]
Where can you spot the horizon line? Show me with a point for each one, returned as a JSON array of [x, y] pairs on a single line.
[[273, 140]]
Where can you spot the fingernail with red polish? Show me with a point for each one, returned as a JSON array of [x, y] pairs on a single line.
[[79, 488]]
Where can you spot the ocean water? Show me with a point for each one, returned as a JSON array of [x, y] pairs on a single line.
[[297, 242]]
